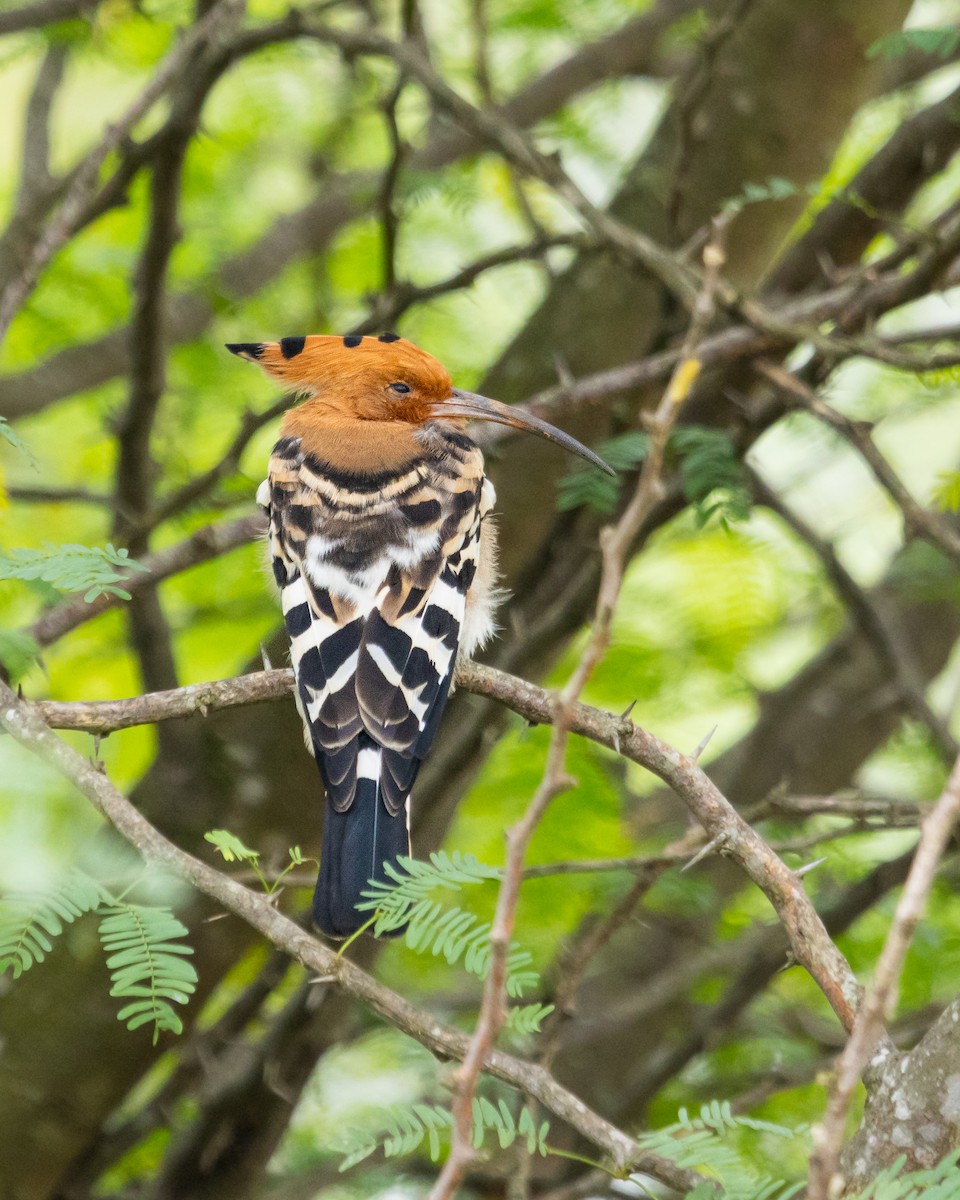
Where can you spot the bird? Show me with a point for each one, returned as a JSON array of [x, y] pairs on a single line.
[[385, 555]]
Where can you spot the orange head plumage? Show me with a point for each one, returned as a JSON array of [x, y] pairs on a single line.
[[385, 378]]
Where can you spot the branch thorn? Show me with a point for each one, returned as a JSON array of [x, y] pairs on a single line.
[[703, 743], [704, 851], [810, 866]]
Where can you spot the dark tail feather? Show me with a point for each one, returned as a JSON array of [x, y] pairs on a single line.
[[356, 844]]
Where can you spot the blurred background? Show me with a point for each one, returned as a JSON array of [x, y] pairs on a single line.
[[288, 180]]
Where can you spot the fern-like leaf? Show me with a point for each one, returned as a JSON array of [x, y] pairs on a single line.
[[411, 887], [406, 1127], [451, 933], [92, 570], [527, 1018], [713, 477], [148, 964], [583, 485], [29, 924], [941, 1182]]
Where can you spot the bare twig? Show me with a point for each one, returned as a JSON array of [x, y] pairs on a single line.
[[55, 495], [577, 960], [880, 999], [84, 180], [889, 647], [918, 520]]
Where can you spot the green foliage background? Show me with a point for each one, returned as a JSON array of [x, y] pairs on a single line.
[[713, 613]]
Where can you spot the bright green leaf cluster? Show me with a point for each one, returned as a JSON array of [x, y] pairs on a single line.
[[585, 485], [146, 957], [147, 964], [232, 849], [453, 933], [29, 924], [405, 1129], [941, 1182], [92, 570], [713, 478]]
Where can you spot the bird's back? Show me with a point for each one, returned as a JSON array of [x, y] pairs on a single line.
[[385, 567]]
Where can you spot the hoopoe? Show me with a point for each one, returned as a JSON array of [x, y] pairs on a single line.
[[386, 562]]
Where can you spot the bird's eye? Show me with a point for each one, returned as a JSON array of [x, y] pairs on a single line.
[[400, 388]]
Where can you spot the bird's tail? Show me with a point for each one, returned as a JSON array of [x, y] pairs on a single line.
[[356, 845]]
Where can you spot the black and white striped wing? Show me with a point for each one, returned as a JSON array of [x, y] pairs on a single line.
[[374, 589]]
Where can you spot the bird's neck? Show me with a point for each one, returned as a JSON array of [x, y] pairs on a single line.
[[349, 444]]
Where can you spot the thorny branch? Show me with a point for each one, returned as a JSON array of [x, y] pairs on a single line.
[[615, 545], [810, 942], [17, 717]]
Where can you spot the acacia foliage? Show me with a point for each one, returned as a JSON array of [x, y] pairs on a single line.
[[727, 604]]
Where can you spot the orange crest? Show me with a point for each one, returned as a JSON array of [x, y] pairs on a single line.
[[368, 378]]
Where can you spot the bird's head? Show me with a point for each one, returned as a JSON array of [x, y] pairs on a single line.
[[386, 378]]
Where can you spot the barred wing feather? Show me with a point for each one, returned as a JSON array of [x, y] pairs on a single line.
[[374, 587]]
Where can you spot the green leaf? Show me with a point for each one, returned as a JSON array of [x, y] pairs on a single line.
[[431, 928], [586, 485], [231, 848], [527, 1018], [148, 964], [946, 491], [92, 570], [29, 924], [774, 188], [713, 478], [939, 42], [12, 438]]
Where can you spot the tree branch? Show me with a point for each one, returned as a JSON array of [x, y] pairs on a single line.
[[723, 824], [84, 180], [29, 730], [44, 12], [209, 542]]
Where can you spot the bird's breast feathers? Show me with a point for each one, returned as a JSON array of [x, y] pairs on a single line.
[[385, 575]]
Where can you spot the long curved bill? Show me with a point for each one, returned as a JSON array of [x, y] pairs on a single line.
[[481, 408]]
